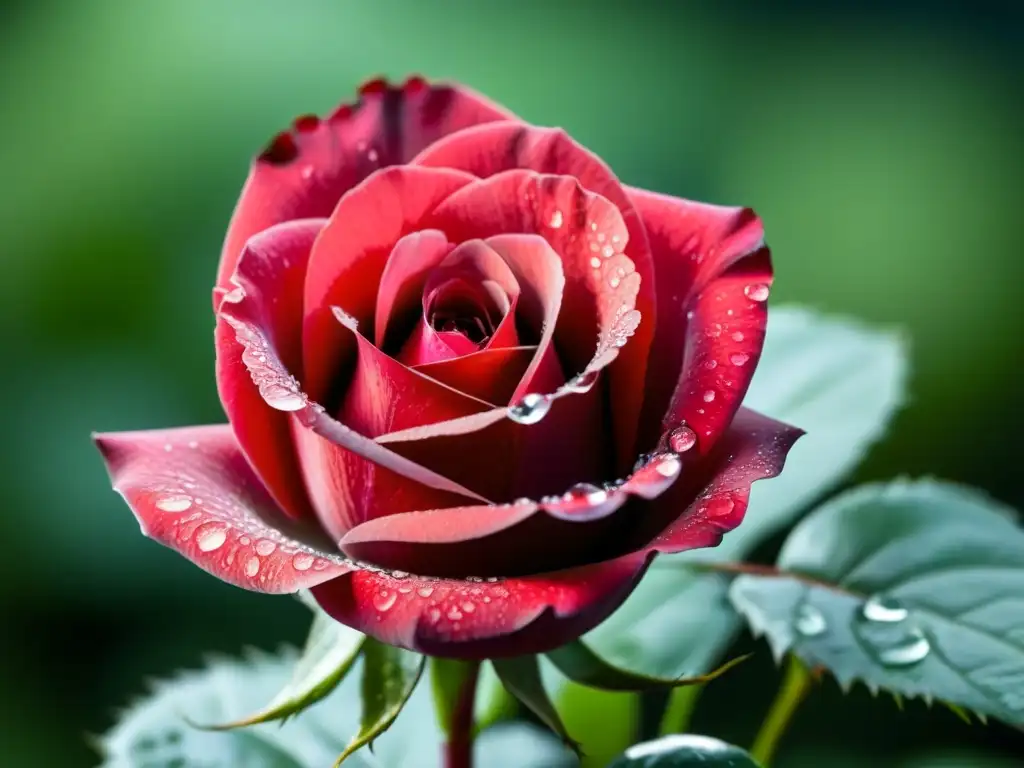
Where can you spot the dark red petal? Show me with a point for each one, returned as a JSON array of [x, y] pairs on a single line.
[[304, 173], [483, 618], [713, 490], [401, 283], [270, 273], [487, 150], [347, 474], [349, 258], [490, 374], [692, 244], [384, 396], [724, 338], [192, 490]]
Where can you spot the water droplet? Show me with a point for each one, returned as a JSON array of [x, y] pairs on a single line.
[[404, 590], [709, 396], [454, 614], [468, 607], [210, 538], [530, 409], [911, 649], [282, 398], [738, 336], [244, 540], [756, 292], [583, 383], [425, 591], [384, 599], [810, 622], [738, 358], [265, 547], [398, 574], [556, 219], [302, 562], [252, 566], [607, 251], [174, 503], [711, 364], [595, 262], [614, 281], [307, 172], [681, 439], [588, 493], [435, 615], [887, 610], [667, 465], [372, 156]]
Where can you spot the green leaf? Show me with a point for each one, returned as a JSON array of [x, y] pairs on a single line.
[[389, 676], [154, 731], [684, 751], [521, 677], [839, 381], [917, 588], [331, 650], [581, 665]]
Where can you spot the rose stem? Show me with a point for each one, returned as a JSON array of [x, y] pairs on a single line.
[[454, 685], [794, 688]]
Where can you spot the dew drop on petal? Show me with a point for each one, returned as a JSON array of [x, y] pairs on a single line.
[[209, 539], [756, 292], [595, 262], [531, 409], [302, 562], [252, 566], [265, 547], [384, 599], [738, 358], [583, 383], [283, 398], [468, 607], [556, 219], [175, 503], [709, 396], [425, 591], [307, 172], [737, 336], [667, 465], [681, 439]]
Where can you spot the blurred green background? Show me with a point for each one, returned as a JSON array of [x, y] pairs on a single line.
[[881, 142]]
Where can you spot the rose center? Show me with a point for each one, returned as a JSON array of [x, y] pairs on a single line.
[[470, 310]]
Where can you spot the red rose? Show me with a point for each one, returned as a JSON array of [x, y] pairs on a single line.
[[474, 383]]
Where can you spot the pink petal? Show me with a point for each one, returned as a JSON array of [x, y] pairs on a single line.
[[304, 172], [477, 619], [270, 273], [347, 474], [192, 490], [693, 244], [488, 150], [401, 283], [350, 256], [713, 490]]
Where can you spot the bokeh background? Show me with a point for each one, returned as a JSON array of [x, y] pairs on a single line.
[[880, 141]]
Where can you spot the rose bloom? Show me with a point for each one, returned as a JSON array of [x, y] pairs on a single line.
[[474, 383]]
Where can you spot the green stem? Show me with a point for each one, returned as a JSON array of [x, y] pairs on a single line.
[[795, 685], [454, 687], [679, 711]]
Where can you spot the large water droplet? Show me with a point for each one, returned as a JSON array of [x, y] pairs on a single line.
[[556, 219], [265, 547], [530, 409], [887, 610], [176, 503], [583, 383], [912, 649], [302, 562], [681, 439], [756, 292], [209, 539], [384, 599], [709, 396], [252, 566], [738, 358], [282, 398], [809, 621], [425, 591]]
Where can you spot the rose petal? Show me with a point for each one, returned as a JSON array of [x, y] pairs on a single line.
[[480, 619], [349, 258], [270, 273], [347, 474], [192, 490], [713, 490], [692, 244], [724, 338], [303, 173], [487, 150], [401, 283], [489, 374]]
